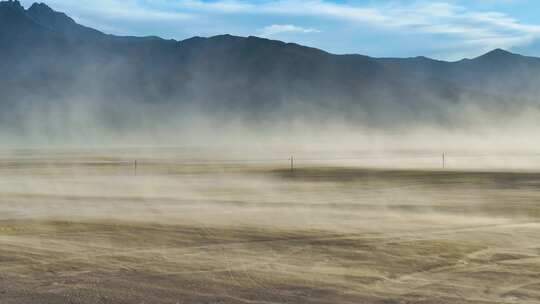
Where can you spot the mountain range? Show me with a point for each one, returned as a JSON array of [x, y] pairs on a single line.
[[46, 58]]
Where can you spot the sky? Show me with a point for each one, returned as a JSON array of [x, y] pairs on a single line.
[[446, 29]]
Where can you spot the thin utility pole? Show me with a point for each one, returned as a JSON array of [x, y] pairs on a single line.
[[444, 160], [292, 163], [135, 168]]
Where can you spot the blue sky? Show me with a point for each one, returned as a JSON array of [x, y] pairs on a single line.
[[446, 29]]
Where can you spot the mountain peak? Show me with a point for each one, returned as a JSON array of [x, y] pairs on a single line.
[[41, 7], [59, 22], [500, 51], [47, 16], [14, 4], [12, 16], [498, 54]]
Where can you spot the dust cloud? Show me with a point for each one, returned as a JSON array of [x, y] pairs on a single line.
[[191, 225]]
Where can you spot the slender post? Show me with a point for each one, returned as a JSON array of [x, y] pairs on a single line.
[[444, 160], [292, 163], [135, 168]]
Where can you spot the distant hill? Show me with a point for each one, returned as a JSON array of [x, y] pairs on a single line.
[[46, 57]]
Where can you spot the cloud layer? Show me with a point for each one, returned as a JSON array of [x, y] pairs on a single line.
[[276, 29]]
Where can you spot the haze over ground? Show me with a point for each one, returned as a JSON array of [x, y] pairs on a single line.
[[66, 84]]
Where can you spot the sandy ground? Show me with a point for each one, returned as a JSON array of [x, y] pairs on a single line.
[[88, 229]]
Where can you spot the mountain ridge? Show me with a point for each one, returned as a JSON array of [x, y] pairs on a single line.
[[48, 58], [41, 11]]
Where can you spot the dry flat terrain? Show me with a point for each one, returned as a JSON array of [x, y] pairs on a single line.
[[78, 228]]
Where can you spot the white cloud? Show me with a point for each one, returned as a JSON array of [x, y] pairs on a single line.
[[276, 29], [223, 6]]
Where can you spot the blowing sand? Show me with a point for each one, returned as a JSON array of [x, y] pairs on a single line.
[[77, 228]]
